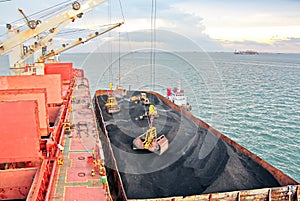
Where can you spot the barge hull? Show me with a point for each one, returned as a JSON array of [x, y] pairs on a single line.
[[274, 182]]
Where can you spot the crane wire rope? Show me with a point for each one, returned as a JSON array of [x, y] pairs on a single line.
[[123, 17], [124, 20], [110, 74], [121, 8], [48, 12], [119, 73], [75, 31], [52, 11], [153, 43], [152, 55]]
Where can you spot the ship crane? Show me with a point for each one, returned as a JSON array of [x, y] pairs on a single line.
[[16, 38], [64, 48]]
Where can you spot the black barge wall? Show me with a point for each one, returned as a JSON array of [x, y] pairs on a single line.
[[114, 180]]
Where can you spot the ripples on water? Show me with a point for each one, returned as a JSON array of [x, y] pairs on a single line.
[[263, 106]]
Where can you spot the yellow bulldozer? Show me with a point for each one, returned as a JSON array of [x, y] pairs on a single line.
[[111, 105], [141, 98], [150, 141]]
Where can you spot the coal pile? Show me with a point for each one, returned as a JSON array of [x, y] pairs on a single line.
[[196, 162]]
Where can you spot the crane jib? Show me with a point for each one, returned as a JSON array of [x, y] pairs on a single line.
[[17, 38]]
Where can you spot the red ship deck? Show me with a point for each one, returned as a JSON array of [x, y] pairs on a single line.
[[73, 180]]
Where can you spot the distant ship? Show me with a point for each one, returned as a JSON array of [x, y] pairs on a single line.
[[177, 96], [247, 52]]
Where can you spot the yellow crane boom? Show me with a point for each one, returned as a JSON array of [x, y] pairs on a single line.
[[73, 44], [57, 22]]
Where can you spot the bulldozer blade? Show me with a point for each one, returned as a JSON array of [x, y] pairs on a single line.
[[113, 109]]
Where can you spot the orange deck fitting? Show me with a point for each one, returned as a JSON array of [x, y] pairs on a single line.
[[74, 180]]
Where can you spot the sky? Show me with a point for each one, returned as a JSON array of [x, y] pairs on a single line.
[[207, 25]]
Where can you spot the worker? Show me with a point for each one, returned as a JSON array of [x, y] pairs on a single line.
[[102, 173], [99, 163], [102, 170], [96, 167], [104, 182]]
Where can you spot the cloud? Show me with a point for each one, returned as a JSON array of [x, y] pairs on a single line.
[[291, 45], [165, 40], [209, 25], [243, 18]]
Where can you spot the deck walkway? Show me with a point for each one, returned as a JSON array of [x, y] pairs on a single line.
[[74, 179]]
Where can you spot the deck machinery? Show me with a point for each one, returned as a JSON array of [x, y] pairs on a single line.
[[111, 105], [151, 142], [141, 98]]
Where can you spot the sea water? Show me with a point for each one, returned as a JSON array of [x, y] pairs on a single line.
[[252, 99]]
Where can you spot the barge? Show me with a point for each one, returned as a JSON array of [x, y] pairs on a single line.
[[200, 164]]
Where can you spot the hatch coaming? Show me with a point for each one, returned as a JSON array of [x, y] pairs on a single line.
[[16, 183]]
